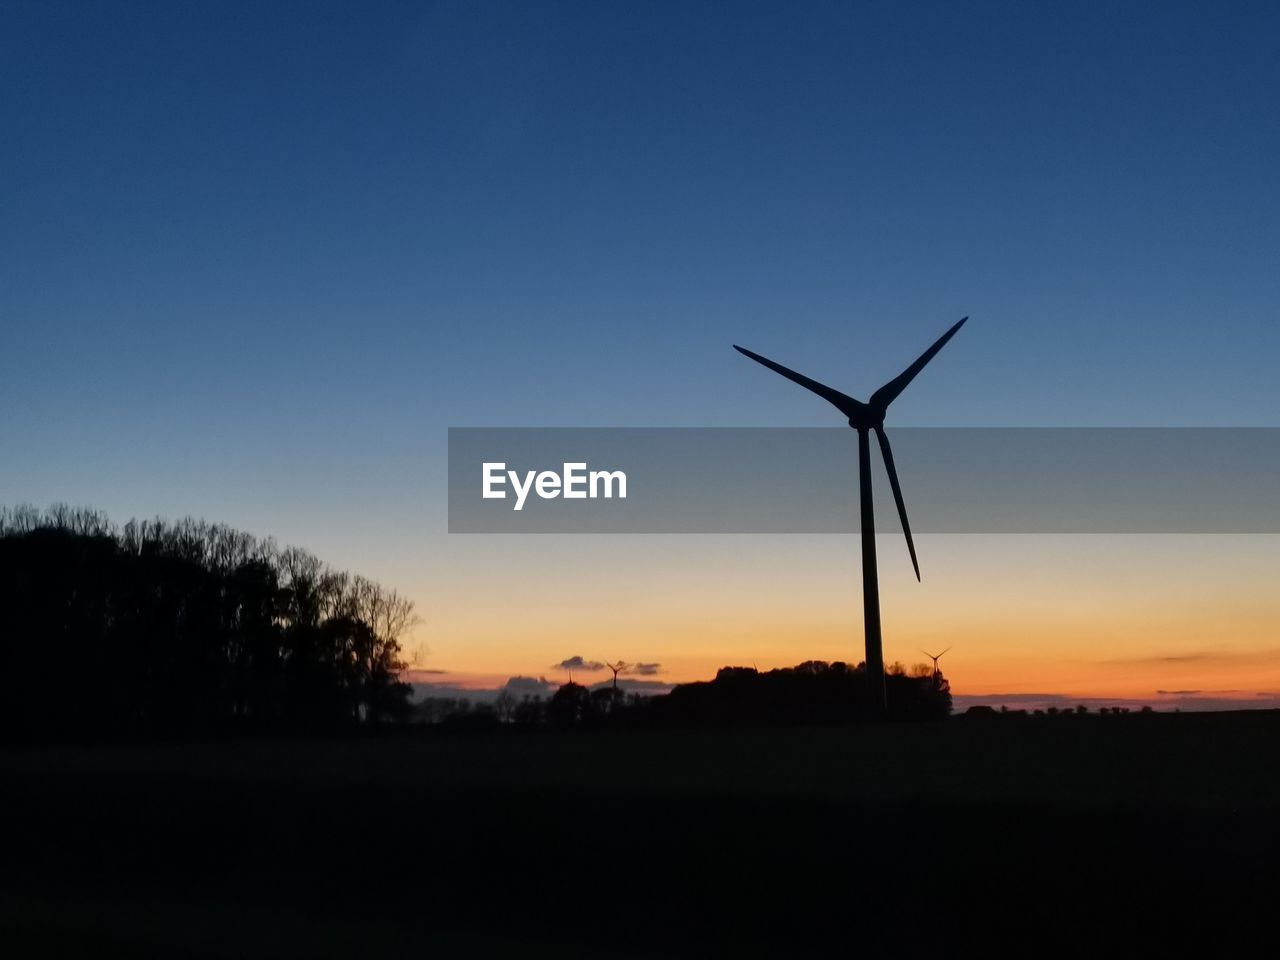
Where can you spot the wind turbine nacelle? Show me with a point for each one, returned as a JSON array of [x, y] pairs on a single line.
[[867, 418]]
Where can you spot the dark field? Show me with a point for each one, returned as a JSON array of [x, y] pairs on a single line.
[[1030, 835]]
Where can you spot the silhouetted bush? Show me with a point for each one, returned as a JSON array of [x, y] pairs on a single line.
[[812, 692]]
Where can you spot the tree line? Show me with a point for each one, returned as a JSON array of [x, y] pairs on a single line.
[[164, 627], [811, 692], [172, 628]]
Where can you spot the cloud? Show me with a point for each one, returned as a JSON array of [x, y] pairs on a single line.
[[1036, 698], [519, 687], [415, 675], [528, 686], [577, 663], [449, 691], [1228, 692], [1200, 657], [646, 669]]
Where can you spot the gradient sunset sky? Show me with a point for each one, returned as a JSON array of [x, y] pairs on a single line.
[[255, 259]]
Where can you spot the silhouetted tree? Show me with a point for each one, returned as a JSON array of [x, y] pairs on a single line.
[[606, 700], [570, 706], [505, 706], [160, 627], [530, 711], [811, 692]]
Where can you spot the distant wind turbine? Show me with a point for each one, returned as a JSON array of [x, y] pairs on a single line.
[[935, 658], [866, 417], [620, 667]]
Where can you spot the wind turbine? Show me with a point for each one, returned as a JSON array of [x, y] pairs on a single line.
[[935, 658], [617, 668], [865, 418]]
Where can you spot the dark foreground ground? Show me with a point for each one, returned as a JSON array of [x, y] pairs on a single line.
[[1033, 836]]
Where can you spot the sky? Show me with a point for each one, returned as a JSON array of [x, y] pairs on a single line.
[[255, 259]]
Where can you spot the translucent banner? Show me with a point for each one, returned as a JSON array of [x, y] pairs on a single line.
[[805, 480]]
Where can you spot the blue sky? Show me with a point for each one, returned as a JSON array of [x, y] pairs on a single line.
[[256, 258]]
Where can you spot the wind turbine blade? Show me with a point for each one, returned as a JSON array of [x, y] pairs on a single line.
[[943, 653], [844, 403], [889, 392], [887, 453]]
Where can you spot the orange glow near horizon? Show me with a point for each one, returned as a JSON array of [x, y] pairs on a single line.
[[1078, 616]]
